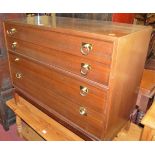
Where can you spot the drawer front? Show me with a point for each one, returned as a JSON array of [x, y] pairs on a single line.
[[77, 112], [75, 90], [92, 49], [81, 66]]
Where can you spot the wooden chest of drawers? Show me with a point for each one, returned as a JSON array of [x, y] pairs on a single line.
[[85, 74]]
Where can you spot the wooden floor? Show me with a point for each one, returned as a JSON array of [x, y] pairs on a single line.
[[133, 134]]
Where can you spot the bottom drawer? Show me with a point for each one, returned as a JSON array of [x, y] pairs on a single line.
[[91, 122], [84, 117]]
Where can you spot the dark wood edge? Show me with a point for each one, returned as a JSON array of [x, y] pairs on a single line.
[[59, 118]]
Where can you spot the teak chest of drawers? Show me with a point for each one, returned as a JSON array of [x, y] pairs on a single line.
[[85, 74]]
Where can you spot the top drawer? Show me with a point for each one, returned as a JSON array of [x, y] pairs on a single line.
[[96, 50]]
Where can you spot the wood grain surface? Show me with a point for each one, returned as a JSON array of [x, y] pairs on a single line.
[[45, 126], [50, 60], [149, 118], [71, 62], [147, 86]]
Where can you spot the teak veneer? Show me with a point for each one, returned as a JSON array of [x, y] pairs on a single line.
[[85, 74]]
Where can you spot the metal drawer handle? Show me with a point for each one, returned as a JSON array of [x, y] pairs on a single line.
[[18, 75], [86, 48], [17, 59], [83, 91], [11, 31], [14, 45], [85, 68], [82, 111]]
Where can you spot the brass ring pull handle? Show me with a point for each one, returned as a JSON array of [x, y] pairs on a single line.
[[85, 68], [86, 48], [82, 111], [18, 75], [83, 91], [17, 59], [11, 31], [14, 45]]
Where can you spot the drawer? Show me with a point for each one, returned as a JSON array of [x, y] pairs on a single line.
[[92, 70], [79, 113], [92, 49], [72, 89]]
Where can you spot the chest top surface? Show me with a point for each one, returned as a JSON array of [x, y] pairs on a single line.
[[106, 28]]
